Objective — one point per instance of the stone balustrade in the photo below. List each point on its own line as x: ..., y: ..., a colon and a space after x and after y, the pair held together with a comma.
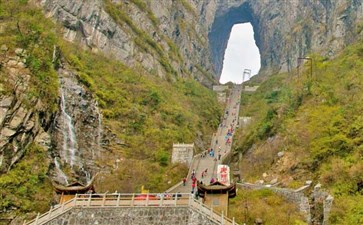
x: 179, y: 209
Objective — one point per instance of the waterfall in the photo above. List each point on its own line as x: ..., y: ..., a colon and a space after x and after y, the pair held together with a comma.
x: 59, y: 171
x: 87, y: 174
x: 79, y: 133
x: 99, y: 132
x: 69, y: 136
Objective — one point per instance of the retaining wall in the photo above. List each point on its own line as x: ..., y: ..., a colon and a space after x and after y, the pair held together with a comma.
x: 132, y: 215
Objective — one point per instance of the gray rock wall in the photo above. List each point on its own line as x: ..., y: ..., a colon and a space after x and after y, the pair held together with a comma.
x: 134, y: 216
x: 23, y: 120
x: 169, y: 24
x: 284, y: 30
x: 76, y: 132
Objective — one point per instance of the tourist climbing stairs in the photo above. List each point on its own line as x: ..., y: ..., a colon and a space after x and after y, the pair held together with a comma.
x: 221, y: 144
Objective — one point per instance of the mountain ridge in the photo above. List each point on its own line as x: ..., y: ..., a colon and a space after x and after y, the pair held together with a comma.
x: 151, y: 98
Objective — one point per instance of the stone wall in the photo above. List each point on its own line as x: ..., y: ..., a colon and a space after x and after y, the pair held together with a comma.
x: 244, y: 121
x: 220, y: 88
x: 322, y: 202
x: 221, y: 92
x: 217, y: 202
x: 133, y: 215
x: 183, y: 153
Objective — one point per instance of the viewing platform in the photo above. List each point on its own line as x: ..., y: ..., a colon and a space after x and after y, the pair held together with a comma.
x: 137, y: 208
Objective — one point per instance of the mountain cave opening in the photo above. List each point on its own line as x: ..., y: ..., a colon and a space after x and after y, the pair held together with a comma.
x: 241, y: 53
x: 235, y: 43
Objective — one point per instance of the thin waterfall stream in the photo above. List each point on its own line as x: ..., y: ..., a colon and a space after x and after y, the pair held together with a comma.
x: 69, y: 135
x: 59, y: 171
x: 79, y: 131
x: 99, y: 133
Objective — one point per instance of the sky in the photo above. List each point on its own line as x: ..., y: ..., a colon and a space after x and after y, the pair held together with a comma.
x: 241, y: 53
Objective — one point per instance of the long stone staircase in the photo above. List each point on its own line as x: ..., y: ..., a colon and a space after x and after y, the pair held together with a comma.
x: 178, y: 208
x: 218, y: 143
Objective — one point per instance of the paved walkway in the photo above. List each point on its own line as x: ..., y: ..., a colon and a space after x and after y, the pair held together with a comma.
x: 218, y: 144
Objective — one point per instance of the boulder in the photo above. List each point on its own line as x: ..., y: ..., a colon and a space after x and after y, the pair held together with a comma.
x: 6, y: 102
x: 18, y: 118
x: 7, y: 132
x: 273, y: 181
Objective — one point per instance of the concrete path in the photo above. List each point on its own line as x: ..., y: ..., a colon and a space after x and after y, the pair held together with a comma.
x: 218, y: 144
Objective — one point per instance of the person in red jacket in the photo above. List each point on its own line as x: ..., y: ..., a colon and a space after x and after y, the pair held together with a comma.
x: 193, y: 187
x: 194, y: 179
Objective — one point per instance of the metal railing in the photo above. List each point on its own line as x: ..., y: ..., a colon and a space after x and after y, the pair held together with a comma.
x: 131, y: 200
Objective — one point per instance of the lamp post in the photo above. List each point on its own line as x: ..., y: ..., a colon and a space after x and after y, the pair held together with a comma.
x: 311, y: 64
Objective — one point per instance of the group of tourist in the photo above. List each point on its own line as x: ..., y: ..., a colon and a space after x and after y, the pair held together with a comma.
x: 215, y: 151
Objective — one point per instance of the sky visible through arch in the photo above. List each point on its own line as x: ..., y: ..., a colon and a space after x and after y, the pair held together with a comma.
x: 241, y: 53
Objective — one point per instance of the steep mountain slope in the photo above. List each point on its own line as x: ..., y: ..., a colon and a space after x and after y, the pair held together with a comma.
x: 160, y: 36
x: 189, y: 38
x: 310, y: 128
x: 46, y: 82
x: 129, y: 85
x: 285, y: 30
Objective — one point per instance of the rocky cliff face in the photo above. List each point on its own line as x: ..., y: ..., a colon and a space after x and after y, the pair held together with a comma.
x: 174, y: 39
x: 77, y: 131
x: 286, y: 30
x: 170, y: 39
x: 198, y: 31
x: 161, y: 36
x: 23, y: 119
x: 74, y: 133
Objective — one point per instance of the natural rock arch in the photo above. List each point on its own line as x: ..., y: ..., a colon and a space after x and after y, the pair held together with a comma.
x: 221, y: 30
x: 284, y: 30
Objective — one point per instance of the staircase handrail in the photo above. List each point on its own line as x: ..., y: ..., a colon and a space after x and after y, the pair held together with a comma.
x: 126, y: 200
x: 213, y: 215
x: 112, y: 200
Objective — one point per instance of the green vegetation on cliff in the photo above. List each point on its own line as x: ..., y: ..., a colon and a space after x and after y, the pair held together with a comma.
x: 317, y: 122
x: 147, y: 113
x: 143, y: 114
x: 26, y: 187
x: 273, y: 209
x: 143, y: 40
x: 20, y: 27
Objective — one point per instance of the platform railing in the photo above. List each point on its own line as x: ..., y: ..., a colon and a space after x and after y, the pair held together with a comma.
x: 131, y: 200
